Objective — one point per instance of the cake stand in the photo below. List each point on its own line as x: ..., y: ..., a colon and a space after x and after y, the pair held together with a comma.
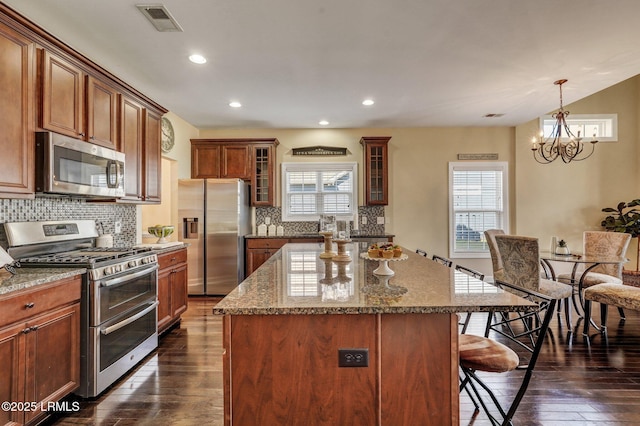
x: 383, y: 267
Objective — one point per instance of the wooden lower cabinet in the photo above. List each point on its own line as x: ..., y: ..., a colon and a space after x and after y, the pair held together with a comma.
x: 39, y: 348
x: 172, y: 288
x: 289, y: 366
x: 259, y: 250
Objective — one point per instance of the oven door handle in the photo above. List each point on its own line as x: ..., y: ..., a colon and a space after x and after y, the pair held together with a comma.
x: 115, y: 327
x: 115, y: 281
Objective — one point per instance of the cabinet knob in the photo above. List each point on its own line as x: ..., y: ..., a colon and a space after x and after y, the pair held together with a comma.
x: 34, y: 328
x: 26, y: 330
x: 29, y: 305
x: 81, y: 134
x: 92, y: 137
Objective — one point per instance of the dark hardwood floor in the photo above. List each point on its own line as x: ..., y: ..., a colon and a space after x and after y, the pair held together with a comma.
x: 575, y: 382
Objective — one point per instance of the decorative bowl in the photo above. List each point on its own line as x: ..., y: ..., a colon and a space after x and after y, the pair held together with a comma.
x: 161, y: 231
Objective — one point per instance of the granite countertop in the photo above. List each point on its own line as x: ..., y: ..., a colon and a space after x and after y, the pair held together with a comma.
x: 296, y: 280
x: 30, y: 277
x: 383, y: 237
x: 164, y: 248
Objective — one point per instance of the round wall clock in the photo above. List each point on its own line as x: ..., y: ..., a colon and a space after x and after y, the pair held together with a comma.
x: 168, y: 137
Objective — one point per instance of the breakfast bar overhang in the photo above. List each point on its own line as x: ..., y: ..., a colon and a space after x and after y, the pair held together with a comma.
x: 289, y: 327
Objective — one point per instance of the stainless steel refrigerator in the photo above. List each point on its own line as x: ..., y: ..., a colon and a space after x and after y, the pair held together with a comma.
x: 214, y: 217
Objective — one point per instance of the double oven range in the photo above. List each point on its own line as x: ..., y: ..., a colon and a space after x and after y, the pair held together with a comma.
x: 119, y: 294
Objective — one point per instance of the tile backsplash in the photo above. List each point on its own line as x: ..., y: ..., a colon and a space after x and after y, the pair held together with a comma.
x: 61, y: 208
x: 291, y: 228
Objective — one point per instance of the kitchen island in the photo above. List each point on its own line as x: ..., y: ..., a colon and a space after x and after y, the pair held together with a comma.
x: 285, y: 325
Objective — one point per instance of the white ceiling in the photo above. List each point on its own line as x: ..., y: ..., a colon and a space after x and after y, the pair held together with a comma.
x: 292, y: 63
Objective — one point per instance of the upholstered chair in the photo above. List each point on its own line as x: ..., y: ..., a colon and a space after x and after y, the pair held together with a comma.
x: 490, y: 236
x: 521, y: 267
x: 602, y: 244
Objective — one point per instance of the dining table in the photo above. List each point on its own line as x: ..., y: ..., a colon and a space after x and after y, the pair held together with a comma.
x: 588, y: 262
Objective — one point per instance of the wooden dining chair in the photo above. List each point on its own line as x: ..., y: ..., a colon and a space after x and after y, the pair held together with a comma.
x: 513, y: 342
x: 521, y: 267
x: 442, y: 260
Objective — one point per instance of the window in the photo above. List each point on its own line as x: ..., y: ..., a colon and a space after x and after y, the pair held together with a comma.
x: 477, y: 202
x: 602, y: 127
x: 312, y: 189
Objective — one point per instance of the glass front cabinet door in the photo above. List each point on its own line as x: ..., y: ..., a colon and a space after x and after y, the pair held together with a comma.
x: 376, y: 171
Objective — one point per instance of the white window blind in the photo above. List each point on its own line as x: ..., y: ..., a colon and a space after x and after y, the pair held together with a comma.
x: 312, y: 189
x: 478, y: 201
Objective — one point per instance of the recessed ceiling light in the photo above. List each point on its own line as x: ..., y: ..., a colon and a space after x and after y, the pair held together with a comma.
x: 235, y: 104
x: 368, y: 102
x: 493, y: 115
x: 197, y: 59
x: 323, y: 123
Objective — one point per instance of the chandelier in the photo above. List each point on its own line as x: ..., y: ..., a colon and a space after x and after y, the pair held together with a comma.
x: 572, y: 148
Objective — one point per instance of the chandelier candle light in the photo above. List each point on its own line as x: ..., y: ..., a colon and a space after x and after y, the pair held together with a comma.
x: 548, y: 150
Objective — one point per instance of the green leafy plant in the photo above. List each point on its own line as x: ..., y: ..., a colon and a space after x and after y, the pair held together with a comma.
x: 625, y: 218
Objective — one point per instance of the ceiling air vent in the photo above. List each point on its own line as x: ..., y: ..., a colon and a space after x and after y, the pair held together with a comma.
x: 160, y: 17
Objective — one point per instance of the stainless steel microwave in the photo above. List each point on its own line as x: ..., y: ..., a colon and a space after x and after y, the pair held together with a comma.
x: 73, y: 167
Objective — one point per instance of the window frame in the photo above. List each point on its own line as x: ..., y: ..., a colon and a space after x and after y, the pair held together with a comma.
x: 317, y: 167
x: 501, y: 166
x: 607, y: 123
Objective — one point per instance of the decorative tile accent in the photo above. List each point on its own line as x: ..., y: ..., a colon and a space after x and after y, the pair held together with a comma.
x: 292, y: 228
x: 61, y: 208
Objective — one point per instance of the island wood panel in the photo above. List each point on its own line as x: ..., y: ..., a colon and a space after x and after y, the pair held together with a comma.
x: 419, y: 369
x: 289, y: 366
x: 283, y: 369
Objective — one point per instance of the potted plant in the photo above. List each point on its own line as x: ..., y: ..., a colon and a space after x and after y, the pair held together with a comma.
x: 625, y: 218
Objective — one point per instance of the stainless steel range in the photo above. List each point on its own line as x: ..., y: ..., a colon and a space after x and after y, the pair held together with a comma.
x: 119, y: 295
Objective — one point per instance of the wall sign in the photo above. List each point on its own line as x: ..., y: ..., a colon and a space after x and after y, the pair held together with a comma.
x: 319, y: 150
x: 485, y: 157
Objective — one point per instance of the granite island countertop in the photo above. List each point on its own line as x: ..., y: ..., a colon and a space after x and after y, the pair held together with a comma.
x: 306, y: 235
x: 31, y: 277
x: 296, y: 280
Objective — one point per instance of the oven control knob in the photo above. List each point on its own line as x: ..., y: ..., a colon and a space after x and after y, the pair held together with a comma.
x: 118, y: 268
x: 107, y: 270
x: 132, y: 264
x: 145, y: 260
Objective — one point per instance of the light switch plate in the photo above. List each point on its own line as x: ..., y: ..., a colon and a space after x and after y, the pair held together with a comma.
x: 380, y: 220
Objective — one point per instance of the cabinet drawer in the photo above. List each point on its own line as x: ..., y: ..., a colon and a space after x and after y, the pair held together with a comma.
x: 268, y: 243
x: 172, y: 258
x: 27, y: 303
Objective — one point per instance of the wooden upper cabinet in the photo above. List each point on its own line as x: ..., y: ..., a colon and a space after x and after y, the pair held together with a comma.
x: 17, y: 77
x: 152, y: 157
x: 263, y: 176
x: 376, y: 174
x: 131, y: 131
x: 62, y: 96
x: 86, y: 111
x: 102, y: 113
x: 252, y: 160
x: 205, y: 160
x: 236, y: 162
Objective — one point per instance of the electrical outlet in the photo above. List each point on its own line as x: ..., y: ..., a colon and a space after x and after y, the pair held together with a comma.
x: 267, y: 220
x: 358, y: 357
x: 363, y: 219
x: 117, y: 227
x: 380, y: 220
